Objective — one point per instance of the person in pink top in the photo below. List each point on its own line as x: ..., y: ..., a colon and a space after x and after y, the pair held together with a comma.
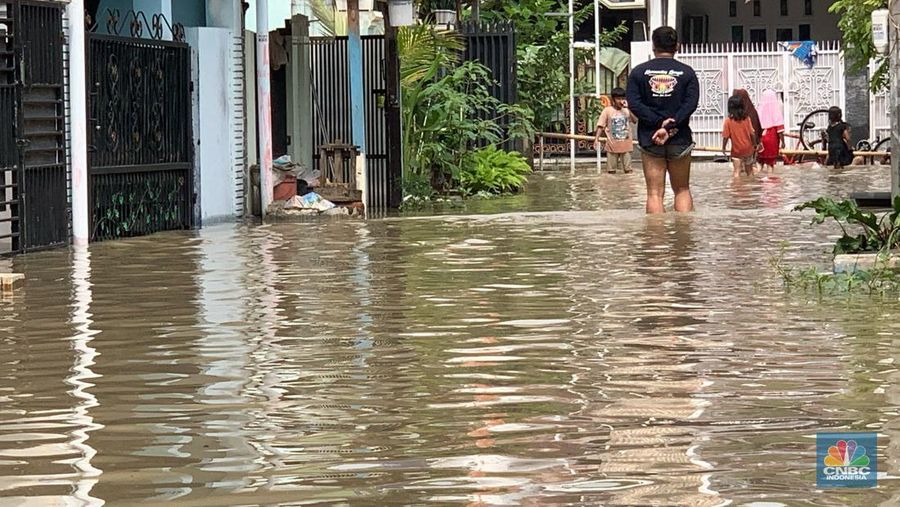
x: 771, y: 119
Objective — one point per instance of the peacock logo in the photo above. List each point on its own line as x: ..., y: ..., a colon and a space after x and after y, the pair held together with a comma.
x: 846, y: 460
x: 846, y: 453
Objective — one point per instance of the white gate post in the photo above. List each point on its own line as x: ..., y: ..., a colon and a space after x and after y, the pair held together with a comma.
x: 895, y: 101
x: 79, y: 123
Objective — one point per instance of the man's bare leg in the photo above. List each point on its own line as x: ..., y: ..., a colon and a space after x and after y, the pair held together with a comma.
x: 655, y: 176
x: 680, y: 178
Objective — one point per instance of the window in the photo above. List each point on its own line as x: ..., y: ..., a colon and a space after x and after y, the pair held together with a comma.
x: 732, y: 8
x: 784, y: 34
x: 804, y: 33
x: 784, y: 7
x: 737, y: 34
x: 807, y: 7
x: 694, y: 29
x: 757, y: 35
x: 757, y: 8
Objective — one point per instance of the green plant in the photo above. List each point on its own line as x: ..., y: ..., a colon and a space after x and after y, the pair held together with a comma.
x: 859, y: 48
x: 879, y: 280
x: 543, y: 51
x: 447, y: 109
x: 492, y: 171
x: 878, y: 234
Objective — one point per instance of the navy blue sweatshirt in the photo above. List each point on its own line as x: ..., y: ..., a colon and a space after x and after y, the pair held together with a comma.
x: 660, y: 89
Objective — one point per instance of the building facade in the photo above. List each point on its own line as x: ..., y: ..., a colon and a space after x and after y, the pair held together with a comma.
x: 757, y: 21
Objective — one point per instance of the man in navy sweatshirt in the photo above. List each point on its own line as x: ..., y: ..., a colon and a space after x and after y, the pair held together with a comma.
x: 663, y: 93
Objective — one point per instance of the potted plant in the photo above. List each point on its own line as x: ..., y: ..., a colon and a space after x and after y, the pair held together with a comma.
x: 444, y: 12
x: 401, y: 12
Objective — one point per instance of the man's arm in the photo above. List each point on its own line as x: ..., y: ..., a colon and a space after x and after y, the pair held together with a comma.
x: 635, y: 103
x: 690, y: 102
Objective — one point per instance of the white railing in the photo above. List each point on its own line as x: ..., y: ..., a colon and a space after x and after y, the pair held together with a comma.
x: 756, y: 68
x: 879, y: 112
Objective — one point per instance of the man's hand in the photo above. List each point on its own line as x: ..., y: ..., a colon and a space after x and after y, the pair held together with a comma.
x: 668, y: 122
x: 661, y: 136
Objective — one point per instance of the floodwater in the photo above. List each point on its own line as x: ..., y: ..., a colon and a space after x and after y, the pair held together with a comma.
x: 564, y: 350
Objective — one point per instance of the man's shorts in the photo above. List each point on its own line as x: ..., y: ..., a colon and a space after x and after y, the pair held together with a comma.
x: 668, y: 151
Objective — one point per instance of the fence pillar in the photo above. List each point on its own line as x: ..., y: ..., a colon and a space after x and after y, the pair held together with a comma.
x: 857, y: 101
x: 264, y: 104
x: 394, y: 130
x: 79, y: 122
x: 357, y: 94
x: 300, y: 113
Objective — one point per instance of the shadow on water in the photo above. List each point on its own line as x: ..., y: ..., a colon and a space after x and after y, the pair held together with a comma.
x: 555, y: 348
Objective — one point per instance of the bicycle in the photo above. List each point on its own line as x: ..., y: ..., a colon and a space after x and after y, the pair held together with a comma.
x: 811, y: 137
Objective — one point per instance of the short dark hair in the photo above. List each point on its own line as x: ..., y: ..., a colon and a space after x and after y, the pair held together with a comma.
x: 618, y: 93
x: 736, y: 109
x: 665, y: 39
x: 835, y: 114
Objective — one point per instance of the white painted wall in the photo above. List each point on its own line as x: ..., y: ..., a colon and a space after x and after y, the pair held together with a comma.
x: 213, y: 118
x: 823, y: 25
x: 224, y: 14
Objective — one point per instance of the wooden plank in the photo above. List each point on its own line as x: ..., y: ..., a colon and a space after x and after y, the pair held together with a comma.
x: 715, y: 149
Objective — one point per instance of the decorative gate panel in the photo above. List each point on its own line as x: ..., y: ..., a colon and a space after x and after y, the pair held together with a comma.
x: 141, y: 162
x: 757, y: 67
x: 34, y: 201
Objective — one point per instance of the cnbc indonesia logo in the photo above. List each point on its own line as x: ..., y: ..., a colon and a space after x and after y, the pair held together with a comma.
x: 846, y: 460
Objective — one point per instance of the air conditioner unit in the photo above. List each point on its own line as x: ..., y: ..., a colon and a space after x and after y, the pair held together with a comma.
x: 624, y: 4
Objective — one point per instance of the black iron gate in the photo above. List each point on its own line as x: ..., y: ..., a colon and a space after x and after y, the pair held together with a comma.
x: 141, y: 159
x: 331, y: 110
x: 494, y: 46
x: 34, y: 197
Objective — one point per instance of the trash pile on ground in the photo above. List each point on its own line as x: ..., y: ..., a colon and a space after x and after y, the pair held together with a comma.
x: 291, y: 178
x: 311, y: 204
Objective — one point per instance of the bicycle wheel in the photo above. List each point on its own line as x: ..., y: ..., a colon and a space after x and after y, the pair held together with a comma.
x: 812, y: 128
x: 885, y: 146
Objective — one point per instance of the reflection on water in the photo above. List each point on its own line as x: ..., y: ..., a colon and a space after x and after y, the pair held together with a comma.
x: 564, y: 350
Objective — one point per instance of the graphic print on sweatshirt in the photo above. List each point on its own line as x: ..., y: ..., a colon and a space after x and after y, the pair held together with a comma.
x: 663, y: 82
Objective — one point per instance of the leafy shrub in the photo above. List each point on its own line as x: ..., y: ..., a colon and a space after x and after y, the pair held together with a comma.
x: 878, y: 234
x: 492, y: 171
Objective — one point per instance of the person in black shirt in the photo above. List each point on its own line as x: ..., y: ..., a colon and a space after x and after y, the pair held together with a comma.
x: 837, y: 138
x: 663, y: 93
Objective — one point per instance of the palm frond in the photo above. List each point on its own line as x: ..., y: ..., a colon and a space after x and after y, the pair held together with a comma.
x: 424, y: 51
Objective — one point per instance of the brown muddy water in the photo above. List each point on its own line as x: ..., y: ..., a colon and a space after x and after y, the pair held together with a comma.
x: 565, y: 350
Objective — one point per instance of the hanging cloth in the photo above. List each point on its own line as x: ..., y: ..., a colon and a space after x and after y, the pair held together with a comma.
x: 806, y: 51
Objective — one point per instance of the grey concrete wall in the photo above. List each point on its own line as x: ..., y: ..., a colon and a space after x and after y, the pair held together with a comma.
x: 857, y: 103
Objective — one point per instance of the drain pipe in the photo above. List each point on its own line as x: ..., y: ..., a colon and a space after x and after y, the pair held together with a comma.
x: 264, y: 104
x: 78, y: 121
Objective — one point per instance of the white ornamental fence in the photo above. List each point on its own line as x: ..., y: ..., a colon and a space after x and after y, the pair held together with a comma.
x: 756, y: 68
